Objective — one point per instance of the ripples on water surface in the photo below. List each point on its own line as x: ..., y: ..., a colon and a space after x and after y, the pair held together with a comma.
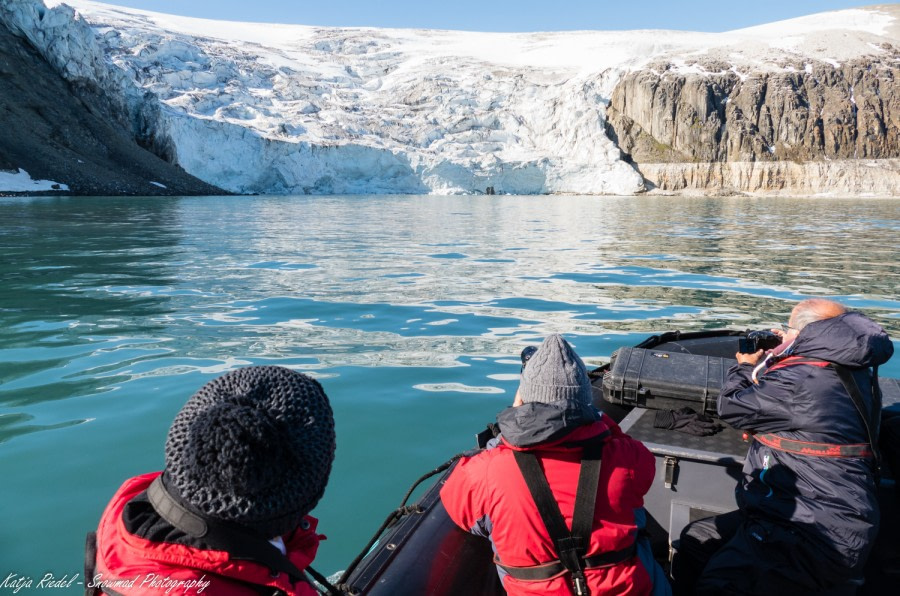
x: 411, y: 311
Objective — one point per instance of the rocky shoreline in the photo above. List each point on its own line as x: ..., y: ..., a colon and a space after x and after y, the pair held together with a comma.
x: 862, y: 178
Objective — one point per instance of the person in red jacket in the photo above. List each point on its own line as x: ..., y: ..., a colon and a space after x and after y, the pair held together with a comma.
x: 561, y: 495
x: 247, y: 459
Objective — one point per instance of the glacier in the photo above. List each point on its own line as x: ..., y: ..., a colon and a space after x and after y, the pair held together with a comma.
x: 283, y: 109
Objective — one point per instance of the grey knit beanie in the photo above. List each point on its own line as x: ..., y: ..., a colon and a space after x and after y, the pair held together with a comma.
x: 555, y: 373
x: 254, y: 447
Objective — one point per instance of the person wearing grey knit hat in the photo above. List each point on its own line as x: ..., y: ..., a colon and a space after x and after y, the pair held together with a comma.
x: 547, y: 460
x: 247, y: 458
x: 555, y: 373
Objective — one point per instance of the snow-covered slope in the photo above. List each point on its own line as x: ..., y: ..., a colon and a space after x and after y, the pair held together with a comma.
x: 276, y: 109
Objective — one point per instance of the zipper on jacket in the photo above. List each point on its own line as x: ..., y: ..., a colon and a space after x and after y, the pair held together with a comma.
x: 762, y: 475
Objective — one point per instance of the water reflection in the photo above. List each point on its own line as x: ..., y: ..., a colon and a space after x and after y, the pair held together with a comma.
x: 64, y: 259
x: 77, y: 277
x: 412, y: 309
x: 336, y: 277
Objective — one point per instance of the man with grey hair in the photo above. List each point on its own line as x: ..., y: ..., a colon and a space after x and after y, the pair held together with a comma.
x: 814, y: 309
x: 808, y: 513
x: 558, y: 520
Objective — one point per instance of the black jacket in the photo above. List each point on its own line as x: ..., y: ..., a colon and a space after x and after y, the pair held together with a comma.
x: 831, y: 501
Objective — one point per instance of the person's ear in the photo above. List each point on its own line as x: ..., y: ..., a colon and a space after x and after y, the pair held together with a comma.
x: 518, y: 400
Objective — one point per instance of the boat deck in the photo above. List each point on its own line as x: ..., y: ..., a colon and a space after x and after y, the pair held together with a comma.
x: 726, y: 445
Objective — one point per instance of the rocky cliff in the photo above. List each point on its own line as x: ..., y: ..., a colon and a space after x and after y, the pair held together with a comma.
x: 848, y: 112
x: 704, y: 125
x: 836, y: 178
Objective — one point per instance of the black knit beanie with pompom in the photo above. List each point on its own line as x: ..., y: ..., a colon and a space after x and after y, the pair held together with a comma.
x: 254, y: 447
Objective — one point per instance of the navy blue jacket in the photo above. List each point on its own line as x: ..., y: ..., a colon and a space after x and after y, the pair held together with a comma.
x: 831, y: 501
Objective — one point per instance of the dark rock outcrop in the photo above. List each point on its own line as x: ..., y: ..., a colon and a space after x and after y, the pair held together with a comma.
x: 67, y: 133
x: 805, y: 113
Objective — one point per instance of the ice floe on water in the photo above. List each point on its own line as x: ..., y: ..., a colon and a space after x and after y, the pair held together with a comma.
x: 456, y: 387
x: 504, y: 377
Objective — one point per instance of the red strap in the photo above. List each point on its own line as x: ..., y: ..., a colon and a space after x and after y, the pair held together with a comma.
x: 794, y: 360
x: 814, y: 449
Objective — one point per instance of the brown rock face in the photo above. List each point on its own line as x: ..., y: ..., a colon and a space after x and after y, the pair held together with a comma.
x: 840, y: 177
x: 806, y: 113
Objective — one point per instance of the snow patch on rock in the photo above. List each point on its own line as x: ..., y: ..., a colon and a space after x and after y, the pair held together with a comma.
x: 20, y: 181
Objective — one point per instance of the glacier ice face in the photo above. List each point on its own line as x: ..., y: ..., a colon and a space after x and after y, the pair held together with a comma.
x: 256, y: 108
x: 346, y: 111
x: 289, y: 109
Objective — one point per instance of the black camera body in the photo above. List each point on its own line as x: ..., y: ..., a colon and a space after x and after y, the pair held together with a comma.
x: 526, y: 355
x: 759, y: 340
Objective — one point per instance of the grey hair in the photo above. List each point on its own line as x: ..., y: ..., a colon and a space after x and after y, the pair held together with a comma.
x: 815, y: 309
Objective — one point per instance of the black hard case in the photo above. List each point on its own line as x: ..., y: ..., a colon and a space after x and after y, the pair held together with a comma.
x: 661, y: 380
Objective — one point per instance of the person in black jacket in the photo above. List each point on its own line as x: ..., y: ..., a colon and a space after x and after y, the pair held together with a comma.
x: 808, y: 513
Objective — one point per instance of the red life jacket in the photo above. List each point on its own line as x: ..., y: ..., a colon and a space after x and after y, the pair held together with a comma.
x: 130, y: 565
x: 490, y: 485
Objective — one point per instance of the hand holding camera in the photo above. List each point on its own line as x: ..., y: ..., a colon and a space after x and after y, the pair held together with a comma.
x: 759, y: 340
x: 752, y: 348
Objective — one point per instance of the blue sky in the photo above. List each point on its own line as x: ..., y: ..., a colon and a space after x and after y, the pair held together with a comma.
x: 506, y: 15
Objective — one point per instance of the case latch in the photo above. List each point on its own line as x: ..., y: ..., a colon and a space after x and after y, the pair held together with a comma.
x: 671, y: 471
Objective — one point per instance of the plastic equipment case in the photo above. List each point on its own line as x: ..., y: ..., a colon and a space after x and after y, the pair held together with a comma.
x: 665, y: 380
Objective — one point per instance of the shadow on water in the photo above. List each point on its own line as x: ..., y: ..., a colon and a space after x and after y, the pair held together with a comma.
x: 78, y: 276
x: 14, y: 425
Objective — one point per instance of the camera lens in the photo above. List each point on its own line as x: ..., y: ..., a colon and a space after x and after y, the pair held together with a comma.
x: 762, y: 340
x: 526, y: 355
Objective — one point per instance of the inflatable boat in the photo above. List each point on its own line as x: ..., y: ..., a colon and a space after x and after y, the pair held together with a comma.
x: 419, y: 550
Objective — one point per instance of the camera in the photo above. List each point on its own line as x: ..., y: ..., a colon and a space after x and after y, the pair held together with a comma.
x: 526, y: 355
x: 758, y: 340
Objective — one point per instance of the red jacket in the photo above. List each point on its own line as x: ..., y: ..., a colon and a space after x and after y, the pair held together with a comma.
x: 486, y: 493
x: 130, y: 565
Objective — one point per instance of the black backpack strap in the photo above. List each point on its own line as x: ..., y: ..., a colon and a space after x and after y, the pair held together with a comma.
x: 90, y: 568
x: 877, y: 403
x: 586, y: 495
x: 90, y: 563
x: 239, y: 542
x: 871, y: 418
x: 571, y: 546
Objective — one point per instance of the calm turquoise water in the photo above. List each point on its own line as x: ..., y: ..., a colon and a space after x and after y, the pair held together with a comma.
x: 410, y: 310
